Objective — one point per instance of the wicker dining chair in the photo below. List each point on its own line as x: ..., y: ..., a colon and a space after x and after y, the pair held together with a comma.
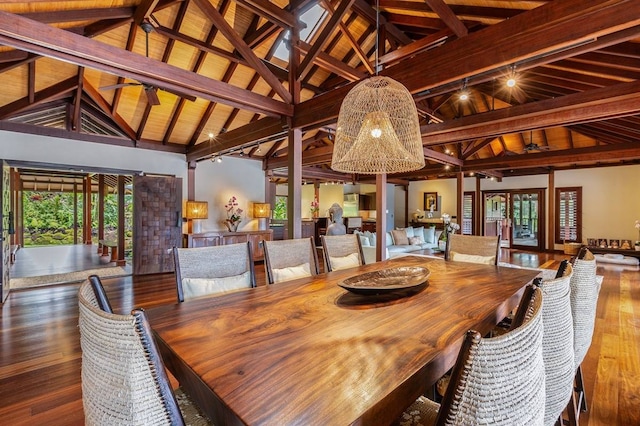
x: 123, y: 377
x: 585, y: 288
x: 498, y: 380
x: 557, y: 343
x: 286, y: 260
x: 204, y: 271
x: 341, y: 251
x: 473, y: 248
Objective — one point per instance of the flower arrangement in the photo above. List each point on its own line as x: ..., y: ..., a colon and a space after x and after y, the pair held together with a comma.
x: 315, y: 207
x: 234, y: 214
x: 638, y: 228
x: 449, y: 227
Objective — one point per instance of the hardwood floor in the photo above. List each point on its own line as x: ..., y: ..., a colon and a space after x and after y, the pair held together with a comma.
x: 40, y: 357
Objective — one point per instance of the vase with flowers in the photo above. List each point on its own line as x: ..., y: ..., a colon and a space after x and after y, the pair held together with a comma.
x: 315, y: 208
x: 449, y: 228
x: 637, y: 244
x: 234, y: 214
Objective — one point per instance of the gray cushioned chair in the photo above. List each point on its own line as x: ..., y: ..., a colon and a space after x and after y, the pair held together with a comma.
x: 123, y: 377
x: 497, y: 381
x: 473, y: 248
x: 204, y: 271
x: 286, y: 260
x: 341, y: 251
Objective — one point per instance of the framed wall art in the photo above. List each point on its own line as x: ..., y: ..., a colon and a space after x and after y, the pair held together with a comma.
x: 431, y: 201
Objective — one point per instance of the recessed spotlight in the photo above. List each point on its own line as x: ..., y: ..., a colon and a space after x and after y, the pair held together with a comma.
x: 511, y: 82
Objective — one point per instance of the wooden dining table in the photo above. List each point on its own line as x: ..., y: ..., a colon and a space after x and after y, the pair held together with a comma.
x: 308, y: 352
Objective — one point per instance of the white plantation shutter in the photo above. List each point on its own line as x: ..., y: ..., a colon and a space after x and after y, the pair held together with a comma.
x: 568, y: 215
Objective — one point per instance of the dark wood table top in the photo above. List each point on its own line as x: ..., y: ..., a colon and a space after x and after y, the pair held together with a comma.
x: 308, y: 352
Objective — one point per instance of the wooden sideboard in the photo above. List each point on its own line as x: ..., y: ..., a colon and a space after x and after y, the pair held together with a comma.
x: 218, y: 238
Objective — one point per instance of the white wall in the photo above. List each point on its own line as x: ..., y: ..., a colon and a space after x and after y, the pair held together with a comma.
x: 45, y: 149
x: 610, y: 196
x: 217, y: 182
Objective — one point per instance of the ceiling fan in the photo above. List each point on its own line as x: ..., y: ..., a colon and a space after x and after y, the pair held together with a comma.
x: 528, y: 147
x: 149, y: 90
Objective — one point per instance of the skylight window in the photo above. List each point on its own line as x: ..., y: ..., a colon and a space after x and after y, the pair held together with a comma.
x: 311, y: 18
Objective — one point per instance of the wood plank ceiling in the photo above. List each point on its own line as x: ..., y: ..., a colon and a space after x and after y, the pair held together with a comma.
x: 223, y: 86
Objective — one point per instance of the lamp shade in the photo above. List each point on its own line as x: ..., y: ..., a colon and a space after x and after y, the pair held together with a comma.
x: 197, y: 210
x: 378, y: 130
x: 261, y: 210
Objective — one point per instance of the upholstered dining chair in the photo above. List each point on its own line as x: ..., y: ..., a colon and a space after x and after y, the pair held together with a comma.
x: 585, y: 288
x: 473, y: 248
x: 341, y: 251
x: 286, y: 260
x: 498, y: 380
x: 123, y: 377
x: 557, y: 343
x: 203, y: 271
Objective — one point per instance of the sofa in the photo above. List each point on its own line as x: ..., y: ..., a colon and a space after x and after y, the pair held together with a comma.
x: 399, y: 241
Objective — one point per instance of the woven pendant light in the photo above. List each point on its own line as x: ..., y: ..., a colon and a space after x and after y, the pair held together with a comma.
x: 378, y: 130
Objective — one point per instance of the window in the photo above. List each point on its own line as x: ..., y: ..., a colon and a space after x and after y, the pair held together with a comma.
x: 311, y: 20
x: 568, y: 215
x: 280, y: 209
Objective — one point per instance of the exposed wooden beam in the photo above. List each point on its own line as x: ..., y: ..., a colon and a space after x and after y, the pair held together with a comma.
x: 448, y: 17
x: 269, y: 11
x: 365, y: 10
x: 596, y: 104
x: 350, y: 39
x: 333, y: 65
x: 323, y: 37
x: 263, y: 129
x: 415, y: 47
x: 143, y: 11
x: 240, y: 45
x: 40, y: 97
x: 592, y: 155
x: 35, y: 37
x: 534, y: 33
x: 95, y: 95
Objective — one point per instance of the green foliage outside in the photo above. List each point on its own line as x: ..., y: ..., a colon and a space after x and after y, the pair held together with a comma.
x: 280, y: 209
x: 48, y: 218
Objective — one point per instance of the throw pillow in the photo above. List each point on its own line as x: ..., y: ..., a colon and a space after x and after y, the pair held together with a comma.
x: 345, y: 262
x: 415, y: 241
x: 400, y: 237
x: 472, y: 258
x: 430, y: 235
x: 364, y: 241
x: 419, y: 232
x: 389, y: 239
x: 196, y: 287
x: 409, y: 230
x: 291, y: 273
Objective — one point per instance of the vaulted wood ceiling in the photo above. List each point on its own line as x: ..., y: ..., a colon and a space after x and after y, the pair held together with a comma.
x: 214, y: 69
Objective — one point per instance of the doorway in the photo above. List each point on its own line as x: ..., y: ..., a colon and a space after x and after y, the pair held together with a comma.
x: 527, y: 212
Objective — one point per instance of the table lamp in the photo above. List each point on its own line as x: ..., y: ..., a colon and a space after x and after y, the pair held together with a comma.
x: 197, y: 210
x: 262, y: 211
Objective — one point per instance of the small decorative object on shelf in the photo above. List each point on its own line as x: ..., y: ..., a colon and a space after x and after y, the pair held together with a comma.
x: 234, y: 214
x: 315, y: 207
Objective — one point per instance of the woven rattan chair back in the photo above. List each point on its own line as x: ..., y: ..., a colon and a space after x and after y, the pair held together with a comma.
x: 339, y: 247
x: 123, y: 377
x: 499, y: 380
x: 208, y: 263
x: 282, y: 254
x: 473, y: 248
x: 557, y: 344
x: 585, y: 287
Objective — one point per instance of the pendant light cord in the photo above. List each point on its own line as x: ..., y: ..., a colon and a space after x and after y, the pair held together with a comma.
x: 377, y: 33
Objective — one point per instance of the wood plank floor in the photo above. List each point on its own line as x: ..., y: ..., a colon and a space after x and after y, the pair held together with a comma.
x: 40, y: 357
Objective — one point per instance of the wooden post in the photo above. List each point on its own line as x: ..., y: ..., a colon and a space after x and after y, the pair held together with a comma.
x: 101, y: 196
x: 551, y: 239
x: 381, y: 217
x: 121, y: 222
x: 86, y: 234
x: 479, y: 210
x: 294, y: 200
